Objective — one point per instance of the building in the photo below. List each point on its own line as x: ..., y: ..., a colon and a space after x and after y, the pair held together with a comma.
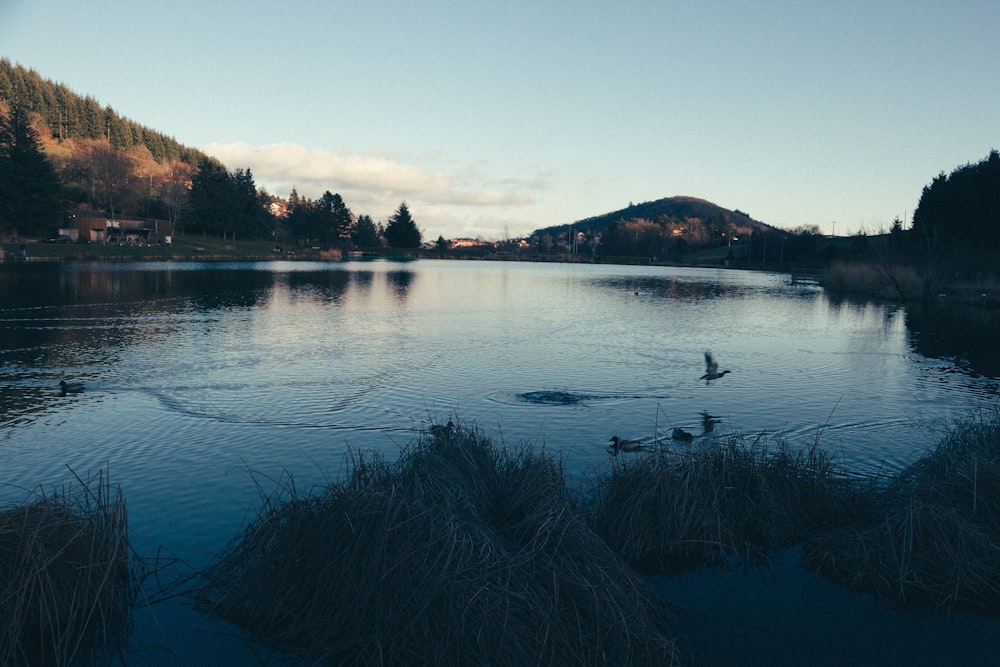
x: 117, y: 232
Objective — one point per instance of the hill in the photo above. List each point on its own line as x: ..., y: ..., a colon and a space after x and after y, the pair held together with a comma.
x: 679, y: 209
x: 70, y: 118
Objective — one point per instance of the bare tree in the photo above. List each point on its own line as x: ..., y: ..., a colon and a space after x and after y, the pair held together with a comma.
x: 110, y: 173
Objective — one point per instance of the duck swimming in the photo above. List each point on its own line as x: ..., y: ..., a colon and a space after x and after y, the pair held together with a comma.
x: 70, y: 387
x: 627, y: 446
x: 681, y: 434
x: 711, y: 369
x: 442, y: 431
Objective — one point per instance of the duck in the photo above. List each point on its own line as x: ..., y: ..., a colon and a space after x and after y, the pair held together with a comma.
x: 711, y: 369
x: 70, y: 387
x: 627, y: 446
x: 681, y: 434
x: 442, y: 431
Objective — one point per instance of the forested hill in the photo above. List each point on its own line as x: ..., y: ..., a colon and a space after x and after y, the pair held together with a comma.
x: 678, y: 209
x: 70, y: 116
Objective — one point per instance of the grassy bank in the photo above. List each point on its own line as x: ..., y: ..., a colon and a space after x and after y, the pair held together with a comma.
x: 182, y: 247
x: 465, y: 551
x: 679, y: 509
x: 462, y: 551
x: 936, y: 540
x: 67, y: 577
x: 907, y: 282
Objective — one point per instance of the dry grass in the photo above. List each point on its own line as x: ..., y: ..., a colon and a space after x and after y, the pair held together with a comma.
x: 66, y: 576
x: 937, y: 542
x: 692, y: 508
x: 459, y: 553
x: 887, y: 281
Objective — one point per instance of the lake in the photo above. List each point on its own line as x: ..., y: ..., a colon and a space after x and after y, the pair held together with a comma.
x: 206, y: 382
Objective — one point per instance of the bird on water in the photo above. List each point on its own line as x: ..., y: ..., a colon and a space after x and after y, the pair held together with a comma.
x: 70, y: 387
x: 619, y: 445
x: 442, y: 431
x: 711, y: 369
x: 681, y: 434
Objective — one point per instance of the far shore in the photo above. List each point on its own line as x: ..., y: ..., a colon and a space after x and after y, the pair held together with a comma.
x: 867, y: 278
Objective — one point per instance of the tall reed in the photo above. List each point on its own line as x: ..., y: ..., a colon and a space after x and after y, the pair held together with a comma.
x: 461, y: 552
x: 937, y: 540
x: 686, y: 508
x: 68, y: 578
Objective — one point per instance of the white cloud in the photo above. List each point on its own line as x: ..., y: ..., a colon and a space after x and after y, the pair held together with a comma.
x: 373, y: 180
x: 465, y: 200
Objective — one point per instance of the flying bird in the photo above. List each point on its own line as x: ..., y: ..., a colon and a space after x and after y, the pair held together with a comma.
x: 711, y: 369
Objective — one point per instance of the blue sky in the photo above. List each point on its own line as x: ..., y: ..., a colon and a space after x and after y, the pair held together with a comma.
x: 493, y: 119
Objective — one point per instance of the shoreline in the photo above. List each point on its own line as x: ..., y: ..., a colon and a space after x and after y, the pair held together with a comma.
x: 206, y: 249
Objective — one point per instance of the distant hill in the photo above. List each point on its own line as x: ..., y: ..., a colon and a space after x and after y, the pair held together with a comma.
x: 678, y: 208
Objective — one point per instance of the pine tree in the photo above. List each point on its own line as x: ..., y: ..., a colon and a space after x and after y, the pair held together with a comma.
x: 30, y: 195
x: 365, y: 234
x: 402, y: 232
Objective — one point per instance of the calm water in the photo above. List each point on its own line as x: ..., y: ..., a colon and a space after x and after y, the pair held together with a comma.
x: 207, y: 380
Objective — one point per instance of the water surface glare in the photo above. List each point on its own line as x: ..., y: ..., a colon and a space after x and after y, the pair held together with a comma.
x: 205, y: 380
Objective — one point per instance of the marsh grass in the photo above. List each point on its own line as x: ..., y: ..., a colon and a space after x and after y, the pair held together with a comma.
x: 887, y: 281
x: 737, y: 499
x: 461, y: 552
x: 937, y: 541
x: 67, y: 577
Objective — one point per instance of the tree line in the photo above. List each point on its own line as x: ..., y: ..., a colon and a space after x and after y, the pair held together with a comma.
x: 70, y: 116
x: 47, y: 174
x: 960, y: 213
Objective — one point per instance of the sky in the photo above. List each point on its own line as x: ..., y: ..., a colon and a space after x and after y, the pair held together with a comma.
x: 493, y: 119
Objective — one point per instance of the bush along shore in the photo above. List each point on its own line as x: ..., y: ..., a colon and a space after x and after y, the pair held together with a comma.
x: 464, y: 551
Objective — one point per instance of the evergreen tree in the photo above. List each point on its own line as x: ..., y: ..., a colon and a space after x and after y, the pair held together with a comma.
x: 250, y: 217
x: 402, y: 232
x: 212, y: 198
x: 365, y: 233
x: 301, y: 220
x: 30, y: 194
x: 343, y: 220
x: 324, y: 226
x: 961, y: 210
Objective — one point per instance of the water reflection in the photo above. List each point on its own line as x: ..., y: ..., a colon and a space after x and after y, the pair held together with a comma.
x: 326, y: 286
x: 962, y: 333
x: 36, y: 286
x: 401, y: 282
x: 701, y: 284
x: 197, y: 373
x: 629, y: 339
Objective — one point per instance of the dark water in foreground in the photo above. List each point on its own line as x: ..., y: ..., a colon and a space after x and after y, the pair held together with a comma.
x: 207, y: 380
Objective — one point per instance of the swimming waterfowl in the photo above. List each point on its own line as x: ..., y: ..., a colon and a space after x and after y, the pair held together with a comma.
x: 442, y: 431
x: 711, y: 369
x: 70, y: 387
x: 627, y: 446
x: 681, y: 434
